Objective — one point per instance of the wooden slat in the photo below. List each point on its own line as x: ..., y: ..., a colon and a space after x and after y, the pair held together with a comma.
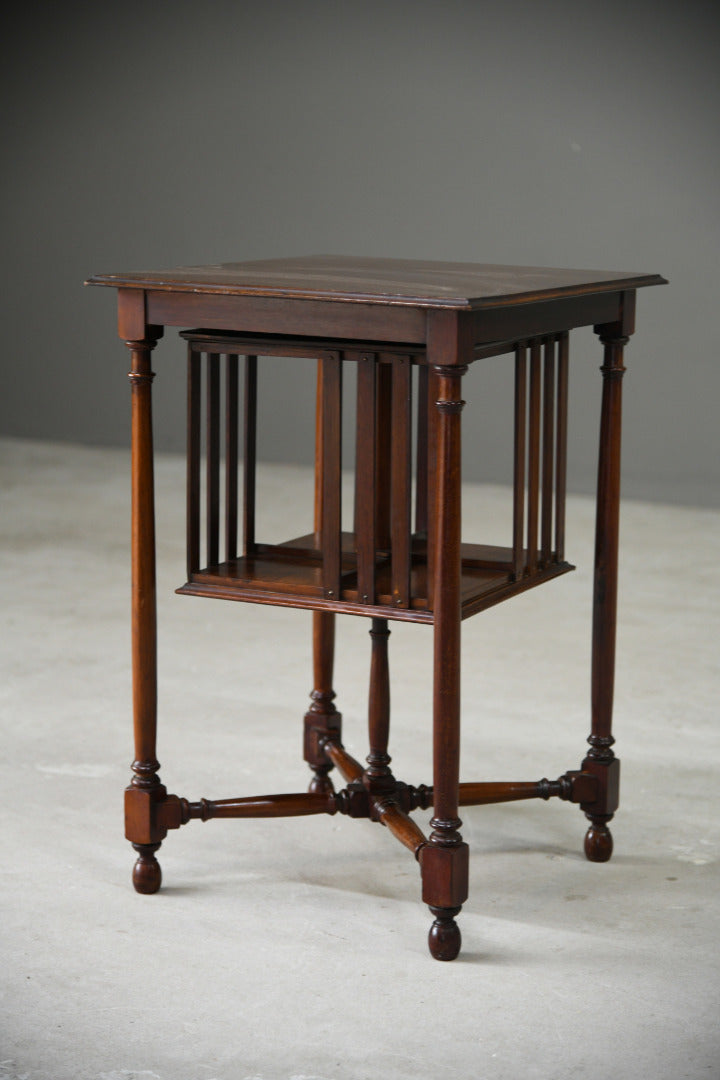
x: 401, y: 479
x: 548, y: 450
x: 212, y: 434
x: 365, y: 473
x: 249, y: 453
x: 231, y: 455
x: 534, y: 457
x: 194, y: 390
x: 421, y: 460
x: 331, y: 475
x: 383, y: 455
x: 518, y: 555
x: 561, y: 451
x: 432, y: 396
x: 317, y: 514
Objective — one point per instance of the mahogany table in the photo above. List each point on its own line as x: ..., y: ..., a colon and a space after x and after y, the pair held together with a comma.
x: 406, y: 331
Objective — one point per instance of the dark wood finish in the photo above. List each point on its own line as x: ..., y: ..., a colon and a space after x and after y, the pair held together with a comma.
x: 259, y: 806
x: 561, y: 446
x: 212, y: 459
x: 519, y: 449
x: 444, y: 859
x: 548, y: 450
x: 534, y: 457
x: 381, y: 281
x: 402, y: 826
x: 421, y: 485
x: 601, y: 758
x: 322, y: 720
x: 193, y: 460
x: 377, y: 776
x: 382, y: 316
x: 401, y: 480
x: 432, y: 422
x: 231, y: 456
x: 383, y: 455
x: 249, y: 454
x: 350, y: 769
x: 366, y: 477
x: 145, y: 787
x: 331, y: 476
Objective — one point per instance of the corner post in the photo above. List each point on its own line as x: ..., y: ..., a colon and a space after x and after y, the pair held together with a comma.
x: 145, y: 789
x: 600, y: 760
x: 444, y: 859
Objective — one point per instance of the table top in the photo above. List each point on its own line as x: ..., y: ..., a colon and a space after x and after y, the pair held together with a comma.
x: 361, y: 279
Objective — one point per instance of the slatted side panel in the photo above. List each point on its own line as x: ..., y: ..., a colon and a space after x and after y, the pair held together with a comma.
x: 212, y: 460
x: 231, y: 457
x: 366, y: 467
x: 540, y: 453
x: 401, y: 480
x: 533, y: 457
x: 194, y: 440
x: 249, y: 454
x: 519, y: 460
x: 213, y: 432
x: 331, y: 368
x: 561, y: 444
x: 548, y: 451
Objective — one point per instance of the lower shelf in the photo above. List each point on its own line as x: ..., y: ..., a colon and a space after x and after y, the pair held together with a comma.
x: 290, y: 575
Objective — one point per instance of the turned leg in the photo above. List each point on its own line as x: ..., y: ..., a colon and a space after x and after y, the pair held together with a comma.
x: 444, y: 859
x: 322, y: 720
x: 378, y: 778
x: 601, y: 761
x: 145, y: 788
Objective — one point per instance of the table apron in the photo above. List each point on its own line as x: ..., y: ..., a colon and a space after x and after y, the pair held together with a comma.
x: 261, y: 314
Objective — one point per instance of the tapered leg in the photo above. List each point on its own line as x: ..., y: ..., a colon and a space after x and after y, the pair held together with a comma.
x: 601, y: 761
x: 145, y: 787
x: 444, y: 860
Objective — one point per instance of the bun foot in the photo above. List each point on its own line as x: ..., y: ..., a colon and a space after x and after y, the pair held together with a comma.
x: 146, y: 875
x: 598, y: 842
x: 444, y: 939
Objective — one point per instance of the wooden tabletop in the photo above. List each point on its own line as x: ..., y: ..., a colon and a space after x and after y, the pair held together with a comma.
x: 382, y: 281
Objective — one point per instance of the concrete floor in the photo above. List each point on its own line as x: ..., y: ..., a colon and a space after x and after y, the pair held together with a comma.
x: 295, y: 950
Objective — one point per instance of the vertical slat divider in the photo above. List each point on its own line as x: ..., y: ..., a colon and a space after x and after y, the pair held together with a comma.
x: 212, y: 486
x: 365, y: 472
x: 193, y: 460
x: 383, y: 390
x: 231, y: 456
x: 561, y: 451
x: 317, y: 514
x: 401, y: 479
x: 332, y: 471
x: 249, y: 454
x: 548, y: 450
x: 519, y: 460
x: 432, y: 413
x: 421, y: 453
x: 534, y: 456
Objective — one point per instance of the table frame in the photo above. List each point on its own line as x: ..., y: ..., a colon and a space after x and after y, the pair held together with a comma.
x: 449, y: 339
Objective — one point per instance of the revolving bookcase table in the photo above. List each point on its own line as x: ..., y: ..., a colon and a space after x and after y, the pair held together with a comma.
x: 407, y: 332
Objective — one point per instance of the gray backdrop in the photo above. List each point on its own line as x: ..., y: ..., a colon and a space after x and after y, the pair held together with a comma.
x: 581, y: 134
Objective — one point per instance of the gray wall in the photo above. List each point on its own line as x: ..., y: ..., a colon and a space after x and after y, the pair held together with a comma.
x: 143, y: 135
